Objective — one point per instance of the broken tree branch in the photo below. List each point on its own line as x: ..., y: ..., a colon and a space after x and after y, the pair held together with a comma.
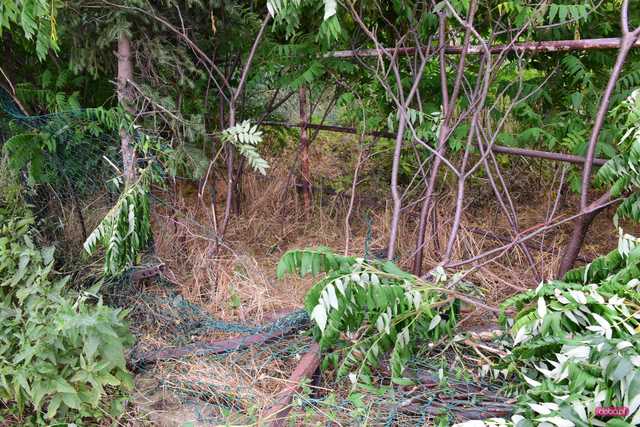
x: 276, y: 414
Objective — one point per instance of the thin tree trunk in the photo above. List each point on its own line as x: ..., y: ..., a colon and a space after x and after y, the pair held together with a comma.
x: 395, y: 194
x: 125, y: 75
x: 230, y: 176
x: 448, y: 106
x: 580, y: 228
x: 232, y: 188
x: 582, y: 224
x: 305, y: 170
x: 354, y: 184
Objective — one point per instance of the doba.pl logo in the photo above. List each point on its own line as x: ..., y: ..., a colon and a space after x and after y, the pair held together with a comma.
x: 612, y: 411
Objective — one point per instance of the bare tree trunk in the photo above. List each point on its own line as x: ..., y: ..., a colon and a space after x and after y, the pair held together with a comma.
x: 582, y: 223
x: 233, y: 101
x: 580, y: 228
x: 125, y: 75
x: 354, y: 184
x: 395, y: 194
x: 448, y: 106
x: 304, y: 149
x: 230, y: 176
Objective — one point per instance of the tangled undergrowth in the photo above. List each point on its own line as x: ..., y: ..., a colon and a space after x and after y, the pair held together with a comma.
x: 238, y: 287
x: 205, y: 293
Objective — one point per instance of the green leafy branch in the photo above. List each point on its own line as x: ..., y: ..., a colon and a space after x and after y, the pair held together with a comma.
x: 246, y: 139
x: 36, y: 18
x: 576, y: 345
x: 126, y: 229
x: 364, y: 309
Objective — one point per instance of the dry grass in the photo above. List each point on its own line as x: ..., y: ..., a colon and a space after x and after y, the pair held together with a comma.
x: 238, y: 282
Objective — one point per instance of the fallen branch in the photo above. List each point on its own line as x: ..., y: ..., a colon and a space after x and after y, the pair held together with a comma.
x: 512, y: 151
x: 208, y: 347
x: 276, y: 415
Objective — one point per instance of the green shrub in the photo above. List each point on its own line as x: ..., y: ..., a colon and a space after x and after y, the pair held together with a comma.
x: 61, y: 353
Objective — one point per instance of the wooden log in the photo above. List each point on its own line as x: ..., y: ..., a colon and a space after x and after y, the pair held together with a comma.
x: 276, y: 415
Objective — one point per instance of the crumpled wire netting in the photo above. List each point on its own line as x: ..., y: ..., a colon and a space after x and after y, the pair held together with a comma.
x: 234, y: 387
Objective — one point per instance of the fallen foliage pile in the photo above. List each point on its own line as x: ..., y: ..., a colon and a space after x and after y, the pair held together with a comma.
x: 575, y: 345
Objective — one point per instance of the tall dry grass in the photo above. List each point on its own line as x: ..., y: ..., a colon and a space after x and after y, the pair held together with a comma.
x: 238, y: 282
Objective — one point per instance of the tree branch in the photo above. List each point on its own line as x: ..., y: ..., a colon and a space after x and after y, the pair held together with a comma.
x: 547, y: 46
x: 512, y: 151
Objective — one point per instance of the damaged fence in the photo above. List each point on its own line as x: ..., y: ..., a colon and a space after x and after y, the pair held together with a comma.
x: 235, y: 373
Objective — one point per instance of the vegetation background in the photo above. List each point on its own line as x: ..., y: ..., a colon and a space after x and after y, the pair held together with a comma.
x: 446, y: 165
